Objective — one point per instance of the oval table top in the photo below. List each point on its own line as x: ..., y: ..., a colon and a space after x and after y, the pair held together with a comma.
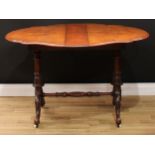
x: 76, y: 35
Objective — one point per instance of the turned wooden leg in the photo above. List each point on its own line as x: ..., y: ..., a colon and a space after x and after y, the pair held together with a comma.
x: 42, y: 98
x: 117, y: 82
x: 39, y: 98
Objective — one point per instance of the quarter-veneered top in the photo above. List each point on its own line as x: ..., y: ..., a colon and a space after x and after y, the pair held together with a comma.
x: 76, y: 35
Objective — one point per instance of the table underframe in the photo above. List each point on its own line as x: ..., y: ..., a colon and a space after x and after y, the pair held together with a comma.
x: 40, y: 95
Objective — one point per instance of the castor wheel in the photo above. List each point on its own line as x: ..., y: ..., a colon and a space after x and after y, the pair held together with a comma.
x: 118, y: 123
x: 36, y: 125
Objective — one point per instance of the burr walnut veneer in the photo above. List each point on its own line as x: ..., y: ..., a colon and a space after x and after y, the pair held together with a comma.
x: 41, y: 38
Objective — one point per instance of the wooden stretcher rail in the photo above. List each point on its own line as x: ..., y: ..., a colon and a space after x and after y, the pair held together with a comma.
x: 110, y: 38
x: 77, y: 94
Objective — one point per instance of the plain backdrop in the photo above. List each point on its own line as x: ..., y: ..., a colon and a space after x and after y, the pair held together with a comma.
x: 77, y: 66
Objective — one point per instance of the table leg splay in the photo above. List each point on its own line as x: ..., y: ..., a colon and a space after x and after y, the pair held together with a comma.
x: 39, y: 94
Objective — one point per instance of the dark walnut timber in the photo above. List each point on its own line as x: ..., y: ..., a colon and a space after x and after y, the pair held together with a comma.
x: 43, y: 38
x: 117, y: 82
x: 39, y: 96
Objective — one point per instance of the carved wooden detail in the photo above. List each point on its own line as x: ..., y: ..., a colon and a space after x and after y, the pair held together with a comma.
x: 77, y: 94
x: 41, y: 38
x: 117, y: 82
x: 39, y: 96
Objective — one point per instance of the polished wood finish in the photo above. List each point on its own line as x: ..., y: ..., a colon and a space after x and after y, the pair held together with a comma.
x: 76, y: 35
x: 77, y: 94
x: 117, y: 82
x: 79, y: 116
x: 39, y: 94
x: 39, y: 98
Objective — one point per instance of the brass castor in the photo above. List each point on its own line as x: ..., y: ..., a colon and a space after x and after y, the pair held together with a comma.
x: 118, y: 123
x: 36, y: 124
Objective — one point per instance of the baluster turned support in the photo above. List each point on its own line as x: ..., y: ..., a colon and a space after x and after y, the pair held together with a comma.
x: 39, y: 96
x: 117, y: 82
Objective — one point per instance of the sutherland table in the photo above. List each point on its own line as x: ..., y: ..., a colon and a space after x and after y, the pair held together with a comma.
x: 78, y: 36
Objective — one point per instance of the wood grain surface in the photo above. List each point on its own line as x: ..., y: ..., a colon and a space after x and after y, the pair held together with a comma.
x: 76, y: 35
x: 86, y: 115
